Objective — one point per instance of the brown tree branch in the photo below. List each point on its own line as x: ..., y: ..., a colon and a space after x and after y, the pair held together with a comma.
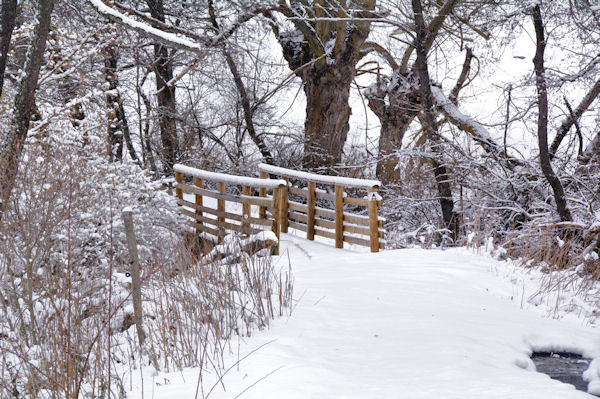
x: 585, y: 103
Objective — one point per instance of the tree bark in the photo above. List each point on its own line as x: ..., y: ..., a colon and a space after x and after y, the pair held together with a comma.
x: 12, y: 146
x: 9, y: 15
x: 451, y: 220
x: 327, y: 116
x: 540, y: 82
x: 167, y: 107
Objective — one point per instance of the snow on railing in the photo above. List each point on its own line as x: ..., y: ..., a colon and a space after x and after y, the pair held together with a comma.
x: 322, y: 179
x: 338, y: 224
x: 216, y: 221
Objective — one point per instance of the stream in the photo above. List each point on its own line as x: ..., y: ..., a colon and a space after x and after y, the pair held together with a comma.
x: 564, y: 367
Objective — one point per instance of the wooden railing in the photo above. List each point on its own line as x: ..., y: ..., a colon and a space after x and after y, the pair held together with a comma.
x: 221, y: 218
x: 337, y: 224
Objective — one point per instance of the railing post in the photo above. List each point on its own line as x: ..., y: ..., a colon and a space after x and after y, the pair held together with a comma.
x: 373, y: 220
x: 178, y: 190
x: 198, y: 183
x: 339, y: 216
x: 262, y: 192
x: 284, y: 206
x: 246, y: 207
x: 276, y: 216
x: 221, y: 204
x: 311, y: 204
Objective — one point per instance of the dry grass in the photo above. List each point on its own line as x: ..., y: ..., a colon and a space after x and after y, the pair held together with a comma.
x: 65, y: 297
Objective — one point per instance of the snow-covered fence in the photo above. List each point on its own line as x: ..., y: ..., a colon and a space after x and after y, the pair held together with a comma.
x: 217, y: 221
x: 336, y: 224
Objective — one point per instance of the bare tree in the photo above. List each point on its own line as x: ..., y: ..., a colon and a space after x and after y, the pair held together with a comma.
x: 442, y: 177
x: 12, y: 145
x: 241, y: 88
x: 542, y: 97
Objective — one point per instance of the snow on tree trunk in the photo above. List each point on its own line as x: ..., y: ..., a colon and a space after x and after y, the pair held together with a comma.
x: 396, y: 106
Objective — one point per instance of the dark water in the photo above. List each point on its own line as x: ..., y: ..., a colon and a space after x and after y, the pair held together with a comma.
x: 565, y: 367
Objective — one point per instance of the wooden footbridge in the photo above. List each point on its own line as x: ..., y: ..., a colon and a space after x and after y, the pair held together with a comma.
x: 339, y: 208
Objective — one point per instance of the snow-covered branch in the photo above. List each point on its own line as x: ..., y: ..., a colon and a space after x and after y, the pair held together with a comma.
x: 477, y: 131
x: 166, y: 38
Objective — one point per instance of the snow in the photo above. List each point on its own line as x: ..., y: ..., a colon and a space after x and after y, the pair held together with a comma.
x: 323, y: 179
x: 407, y: 323
x: 227, y: 178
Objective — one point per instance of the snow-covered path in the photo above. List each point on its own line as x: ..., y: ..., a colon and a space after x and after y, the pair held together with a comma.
x: 397, y: 324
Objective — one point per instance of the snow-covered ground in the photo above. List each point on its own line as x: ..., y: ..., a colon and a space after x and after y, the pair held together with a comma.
x: 405, y: 323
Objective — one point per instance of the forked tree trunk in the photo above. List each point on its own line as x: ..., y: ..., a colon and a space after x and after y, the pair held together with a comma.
x: 442, y: 178
x: 12, y: 146
x: 324, y: 52
x: 396, y: 109
x: 542, y: 94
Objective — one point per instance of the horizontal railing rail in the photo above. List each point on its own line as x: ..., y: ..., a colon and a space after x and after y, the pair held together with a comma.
x: 338, y: 224
x: 216, y: 221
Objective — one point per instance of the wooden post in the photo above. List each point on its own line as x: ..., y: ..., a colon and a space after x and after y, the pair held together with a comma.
x: 136, y: 294
x: 198, y: 183
x: 339, y: 216
x: 285, y: 197
x: 373, y: 221
x: 262, y: 192
x: 179, y: 180
x: 221, y: 207
x: 246, y: 207
x: 311, y: 204
x: 276, y: 216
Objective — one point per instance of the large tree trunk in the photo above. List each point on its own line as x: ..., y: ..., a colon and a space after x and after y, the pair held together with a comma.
x: 324, y: 52
x: 12, y: 146
x: 9, y: 15
x: 327, y: 114
x: 442, y: 177
x: 167, y: 109
x: 540, y: 83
